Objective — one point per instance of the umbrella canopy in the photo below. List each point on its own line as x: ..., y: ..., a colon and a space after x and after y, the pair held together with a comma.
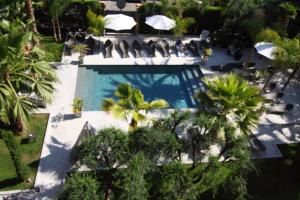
x: 266, y: 49
x: 119, y: 22
x: 160, y: 22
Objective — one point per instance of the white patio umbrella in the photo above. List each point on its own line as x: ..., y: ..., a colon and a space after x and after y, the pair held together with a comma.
x: 119, y: 22
x: 266, y: 49
x: 160, y: 22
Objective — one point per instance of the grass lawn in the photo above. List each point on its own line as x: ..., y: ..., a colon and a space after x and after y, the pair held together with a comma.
x: 278, y: 179
x: 53, y: 49
x: 30, y: 155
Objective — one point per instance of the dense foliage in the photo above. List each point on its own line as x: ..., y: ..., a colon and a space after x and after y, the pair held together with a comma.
x: 147, y: 162
x: 15, y: 154
x: 234, y: 99
x: 81, y: 187
x: 23, y: 70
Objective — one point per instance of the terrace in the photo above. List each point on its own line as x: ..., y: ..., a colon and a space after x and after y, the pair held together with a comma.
x: 173, y: 78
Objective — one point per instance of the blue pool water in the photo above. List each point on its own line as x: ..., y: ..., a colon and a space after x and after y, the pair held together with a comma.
x: 175, y: 84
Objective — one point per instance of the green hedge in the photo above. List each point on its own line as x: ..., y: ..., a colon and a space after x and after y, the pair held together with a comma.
x: 210, y: 19
x: 15, y: 155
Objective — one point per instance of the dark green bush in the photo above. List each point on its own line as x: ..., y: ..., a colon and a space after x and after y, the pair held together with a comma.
x: 212, y: 18
x: 81, y: 187
x: 95, y: 6
x: 15, y: 155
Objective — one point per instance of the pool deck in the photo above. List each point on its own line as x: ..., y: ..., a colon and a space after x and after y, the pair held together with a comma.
x: 62, y: 132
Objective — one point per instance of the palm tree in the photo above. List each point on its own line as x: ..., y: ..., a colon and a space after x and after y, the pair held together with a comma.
x: 30, y: 14
x: 131, y: 104
x: 56, y: 8
x: 22, y: 69
x: 233, y: 99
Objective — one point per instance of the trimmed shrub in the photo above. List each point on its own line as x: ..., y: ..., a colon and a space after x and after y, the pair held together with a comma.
x: 15, y: 155
x: 81, y: 187
x: 212, y: 18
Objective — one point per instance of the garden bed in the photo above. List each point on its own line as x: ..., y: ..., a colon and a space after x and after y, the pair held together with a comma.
x: 278, y: 178
x: 30, y: 152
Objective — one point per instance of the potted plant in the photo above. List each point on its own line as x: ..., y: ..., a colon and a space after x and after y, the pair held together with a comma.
x: 77, y: 106
x: 205, y: 54
x: 82, y: 49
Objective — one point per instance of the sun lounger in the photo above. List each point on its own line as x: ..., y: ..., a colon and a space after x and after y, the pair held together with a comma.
x: 193, y: 48
x: 136, y: 47
x: 124, y: 48
x: 279, y: 109
x: 145, y: 51
x: 107, y: 49
x: 152, y: 47
x: 180, y: 49
x: 90, y: 42
x: 164, y: 48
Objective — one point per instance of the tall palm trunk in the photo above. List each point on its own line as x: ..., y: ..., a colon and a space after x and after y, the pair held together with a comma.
x: 54, y: 29
x: 58, y: 28
x: 30, y: 14
x: 290, y: 77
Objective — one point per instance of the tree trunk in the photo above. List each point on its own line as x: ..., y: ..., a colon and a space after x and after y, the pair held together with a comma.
x: 58, y: 29
x: 30, y: 14
x: 249, y: 59
x: 54, y: 29
x: 194, y: 154
x: 133, y: 124
x: 18, y: 126
x: 290, y: 77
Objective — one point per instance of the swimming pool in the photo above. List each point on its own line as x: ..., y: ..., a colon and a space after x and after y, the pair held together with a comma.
x: 175, y: 84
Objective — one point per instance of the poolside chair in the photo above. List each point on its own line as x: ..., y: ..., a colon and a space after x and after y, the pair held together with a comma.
x: 280, y: 109
x: 124, y: 48
x: 180, y: 49
x: 164, y: 48
x: 90, y: 42
x: 192, y: 46
x: 152, y: 47
x: 136, y: 47
x: 145, y: 50
x: 108, y: 45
